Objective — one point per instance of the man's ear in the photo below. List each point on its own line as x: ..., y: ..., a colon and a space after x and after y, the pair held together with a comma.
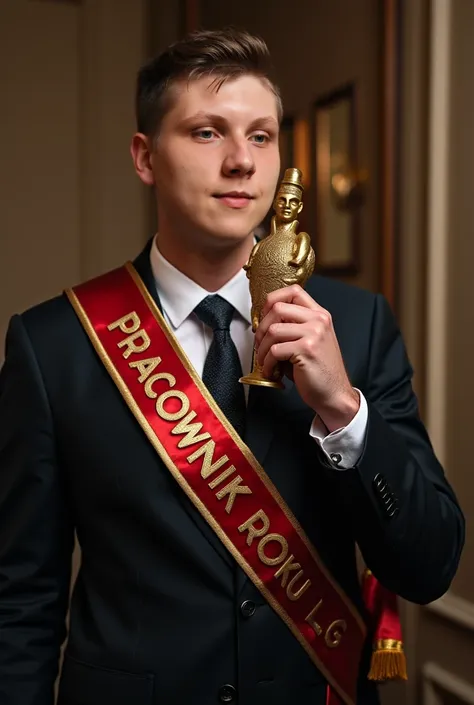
x: 141, y: 156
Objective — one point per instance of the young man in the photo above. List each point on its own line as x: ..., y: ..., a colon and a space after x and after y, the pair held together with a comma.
x: 203, y: 578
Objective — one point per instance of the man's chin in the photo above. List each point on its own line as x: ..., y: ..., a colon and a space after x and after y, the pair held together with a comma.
x: 231, y: 234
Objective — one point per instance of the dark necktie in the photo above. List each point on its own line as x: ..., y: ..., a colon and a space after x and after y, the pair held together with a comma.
x: 222, y: 369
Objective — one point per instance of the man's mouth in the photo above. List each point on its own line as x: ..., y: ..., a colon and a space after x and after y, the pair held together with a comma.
x: 235, y: 199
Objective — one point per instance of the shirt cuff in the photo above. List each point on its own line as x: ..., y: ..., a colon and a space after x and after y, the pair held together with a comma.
x: 344, y: 446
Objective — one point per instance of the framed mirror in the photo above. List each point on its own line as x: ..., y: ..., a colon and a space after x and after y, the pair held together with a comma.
x: 337, y: 184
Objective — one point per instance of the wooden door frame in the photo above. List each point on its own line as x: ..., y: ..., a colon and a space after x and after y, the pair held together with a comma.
x: 190, y: 16
x: 390, y: 150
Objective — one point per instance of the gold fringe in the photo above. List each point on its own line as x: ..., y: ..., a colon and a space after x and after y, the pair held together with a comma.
x: 388, y: 661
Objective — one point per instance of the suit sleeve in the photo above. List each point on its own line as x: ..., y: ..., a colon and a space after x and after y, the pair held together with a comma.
x: 36, y: 536
x: 405, y: 516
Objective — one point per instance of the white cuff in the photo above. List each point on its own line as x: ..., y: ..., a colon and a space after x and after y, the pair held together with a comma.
x: 344, y: 446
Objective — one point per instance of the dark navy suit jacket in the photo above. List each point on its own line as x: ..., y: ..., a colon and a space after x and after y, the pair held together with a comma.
x: 160, y: 613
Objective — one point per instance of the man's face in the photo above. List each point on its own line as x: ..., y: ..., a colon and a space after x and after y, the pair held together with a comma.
x: 287, y: 206
x: 216, y: 160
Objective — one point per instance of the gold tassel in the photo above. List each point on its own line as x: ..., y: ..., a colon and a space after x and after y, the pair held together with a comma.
x: 388, y: 661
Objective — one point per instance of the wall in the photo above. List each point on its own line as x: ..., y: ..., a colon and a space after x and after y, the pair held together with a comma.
x: 318, y: 46
x: 40, y: 248
x: 71, y: 205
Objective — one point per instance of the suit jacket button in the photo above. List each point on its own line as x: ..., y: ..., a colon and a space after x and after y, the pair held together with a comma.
x: 248, y: 608
x: 379, y: 481
x: 227, y: 694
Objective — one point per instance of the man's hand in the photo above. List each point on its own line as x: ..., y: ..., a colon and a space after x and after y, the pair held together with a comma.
x: 295, y: 329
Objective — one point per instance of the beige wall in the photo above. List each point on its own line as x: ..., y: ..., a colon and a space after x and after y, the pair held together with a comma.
x: 318, y: 46
x: 71, y: 205
x: 39, y: 163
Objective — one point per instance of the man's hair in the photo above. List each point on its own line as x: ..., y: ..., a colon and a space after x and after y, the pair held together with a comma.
x: 221, y: 55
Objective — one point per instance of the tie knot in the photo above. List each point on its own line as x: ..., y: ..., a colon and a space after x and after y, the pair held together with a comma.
x: 215, y: 312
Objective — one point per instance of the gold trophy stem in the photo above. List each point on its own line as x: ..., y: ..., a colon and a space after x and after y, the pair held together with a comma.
x: 256, y: 378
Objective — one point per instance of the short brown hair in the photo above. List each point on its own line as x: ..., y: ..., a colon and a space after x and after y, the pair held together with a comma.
x: 221, y: 54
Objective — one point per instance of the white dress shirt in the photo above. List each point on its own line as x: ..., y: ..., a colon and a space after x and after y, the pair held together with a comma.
x: 179, y: 296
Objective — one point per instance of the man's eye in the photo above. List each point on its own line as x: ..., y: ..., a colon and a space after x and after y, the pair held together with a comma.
x: 204, y: 134
x: 260, y: 138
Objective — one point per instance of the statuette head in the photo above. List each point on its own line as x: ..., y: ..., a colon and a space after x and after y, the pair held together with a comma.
x: 288, y: 201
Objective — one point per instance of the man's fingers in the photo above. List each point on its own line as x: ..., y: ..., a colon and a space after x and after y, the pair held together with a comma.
x: 279, y: 352
x: 279, y: 333
x: 292, y: 295
x: 282, y: 313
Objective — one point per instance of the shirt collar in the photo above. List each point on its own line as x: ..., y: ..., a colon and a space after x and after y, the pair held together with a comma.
x: 180, y: 295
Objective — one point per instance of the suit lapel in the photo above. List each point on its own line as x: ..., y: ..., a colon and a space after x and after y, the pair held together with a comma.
x: 143, y: 267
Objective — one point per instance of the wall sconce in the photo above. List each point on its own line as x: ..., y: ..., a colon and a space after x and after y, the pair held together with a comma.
x: 348, y: 188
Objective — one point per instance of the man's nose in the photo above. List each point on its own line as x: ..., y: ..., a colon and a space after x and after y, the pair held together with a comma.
x: 239, y: 160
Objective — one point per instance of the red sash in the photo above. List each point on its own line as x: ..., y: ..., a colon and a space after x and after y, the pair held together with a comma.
x: 219, y: 474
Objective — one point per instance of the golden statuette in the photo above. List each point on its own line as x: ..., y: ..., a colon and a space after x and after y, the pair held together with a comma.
x: 281, y: 259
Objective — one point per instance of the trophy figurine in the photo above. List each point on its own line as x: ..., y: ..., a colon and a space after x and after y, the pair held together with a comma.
x: 282, y: 258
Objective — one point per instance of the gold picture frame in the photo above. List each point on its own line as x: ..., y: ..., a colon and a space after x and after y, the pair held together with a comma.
x: 337, y: 186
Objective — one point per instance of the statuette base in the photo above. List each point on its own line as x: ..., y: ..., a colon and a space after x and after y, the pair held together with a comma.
x: 255, y: 379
